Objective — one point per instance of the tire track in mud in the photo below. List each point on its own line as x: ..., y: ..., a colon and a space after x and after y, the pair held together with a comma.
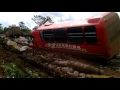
x: 59, y: 64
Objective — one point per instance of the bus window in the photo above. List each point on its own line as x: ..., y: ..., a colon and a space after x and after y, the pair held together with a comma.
x: 75, y: 35
x: 48, y: 35
x: 41, y: 35
x: 60, y: 35
x: 90, y: 34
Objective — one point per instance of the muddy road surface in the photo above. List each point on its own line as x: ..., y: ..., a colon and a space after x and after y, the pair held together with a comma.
x: 9, y: 55
x: 49, y: 64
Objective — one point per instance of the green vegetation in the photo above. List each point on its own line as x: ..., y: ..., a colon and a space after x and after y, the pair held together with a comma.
x: 1, y: 29
x: 13, y: 71
x: 40, y: 20
x: 24, y: 28
x: 32, y: 74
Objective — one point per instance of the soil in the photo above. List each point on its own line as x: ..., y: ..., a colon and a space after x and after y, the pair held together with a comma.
x: 56, y: 64
x: 9, y: 56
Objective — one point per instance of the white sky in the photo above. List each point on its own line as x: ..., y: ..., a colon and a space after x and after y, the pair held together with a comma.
x: 9, y: 18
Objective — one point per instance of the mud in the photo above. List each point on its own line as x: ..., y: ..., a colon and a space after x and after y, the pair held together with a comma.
x: 50, y: 64
x: 9, y: 55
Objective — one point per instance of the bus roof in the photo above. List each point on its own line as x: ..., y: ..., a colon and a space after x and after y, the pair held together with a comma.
x: 83, y: 22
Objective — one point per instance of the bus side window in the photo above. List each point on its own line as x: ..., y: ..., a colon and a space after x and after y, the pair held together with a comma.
x: 75, y: 35
x: 48, y: 35
x: 90, y: 34
x: 41, y: 35
x: 60, y: 35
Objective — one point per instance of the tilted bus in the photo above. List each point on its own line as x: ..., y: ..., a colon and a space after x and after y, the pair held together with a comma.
x: 97, y: 36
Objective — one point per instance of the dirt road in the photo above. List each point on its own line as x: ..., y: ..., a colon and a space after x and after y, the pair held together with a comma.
x: 56, y: 64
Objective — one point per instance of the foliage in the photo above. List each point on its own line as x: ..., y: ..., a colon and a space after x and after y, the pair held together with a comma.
x: 40, y: 20
x: 13, y: 71
x: 21, y: 24
x: 5, y: 29
x: 24, y: 28
x: 1, y: 28
x: 26, y: 31
x: 32, y: 74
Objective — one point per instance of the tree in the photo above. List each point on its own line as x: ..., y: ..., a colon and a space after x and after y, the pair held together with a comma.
x: 24, y: 28
x: 22, y: 24
x: 1, y: 28
x: 40, y: 20
x: 5, y: 29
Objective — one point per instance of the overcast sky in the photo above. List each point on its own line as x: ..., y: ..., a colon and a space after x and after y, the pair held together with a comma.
x: 9, y: 18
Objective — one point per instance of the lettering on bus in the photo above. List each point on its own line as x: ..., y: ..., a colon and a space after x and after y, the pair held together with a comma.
x: 66, y: 46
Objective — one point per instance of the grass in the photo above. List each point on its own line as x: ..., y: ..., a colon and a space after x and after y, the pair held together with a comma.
x: 13, y: 71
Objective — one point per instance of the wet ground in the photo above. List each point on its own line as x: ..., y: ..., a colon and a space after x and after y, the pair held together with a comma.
x: 56, y: 64
x: 7, y: 57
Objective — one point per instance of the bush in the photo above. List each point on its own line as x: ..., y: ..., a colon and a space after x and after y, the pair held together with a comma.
x: 12, y: 71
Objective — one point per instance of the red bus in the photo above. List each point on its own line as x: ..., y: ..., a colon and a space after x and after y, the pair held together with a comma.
x: 97, y: 36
